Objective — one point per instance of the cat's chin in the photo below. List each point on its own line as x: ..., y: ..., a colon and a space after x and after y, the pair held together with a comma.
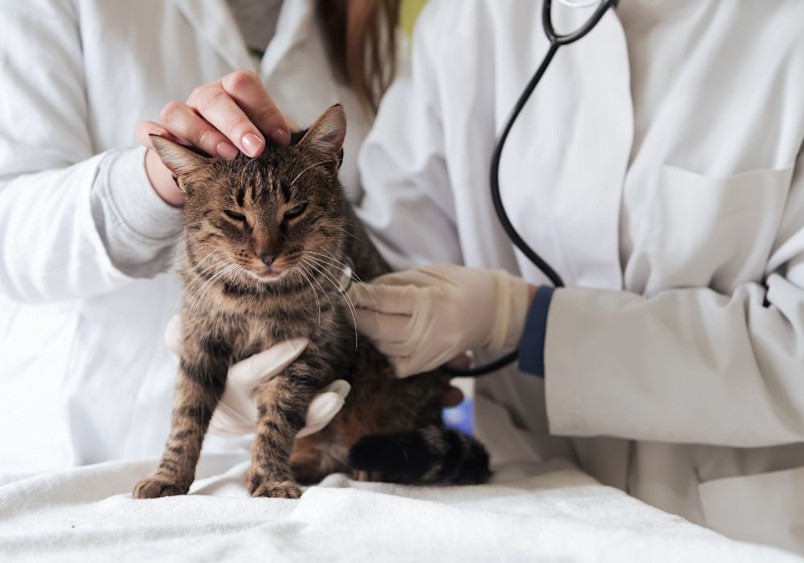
x: 267, y: 276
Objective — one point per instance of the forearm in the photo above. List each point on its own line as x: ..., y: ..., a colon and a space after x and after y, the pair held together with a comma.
x: 686, y: 365
x: 138, y: 229
x: 63, y: 232
x: 69, y: 225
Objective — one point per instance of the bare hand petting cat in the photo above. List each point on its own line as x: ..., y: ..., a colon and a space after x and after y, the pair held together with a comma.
x: 423, y: 318
x: 236, y: 413
x: 220, y: 118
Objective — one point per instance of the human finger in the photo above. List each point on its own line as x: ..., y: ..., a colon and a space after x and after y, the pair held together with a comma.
x: 385, y: 328
x: 420, y: 278
x: 462, y: 361
x: 173, y: 335
x: 451, y: 397
x: 248, y: 91
x: 148, y: 128
x: 266, y: 364
x: 419, y: 361
x: 216, y: 106
x: 407, y: 365
x: 191, y: 128
x: 397, y: 300
x: 233, y: 416
x: 325, y: 406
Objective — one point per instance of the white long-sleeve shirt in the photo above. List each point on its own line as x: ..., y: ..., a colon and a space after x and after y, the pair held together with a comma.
x: 84, y: 372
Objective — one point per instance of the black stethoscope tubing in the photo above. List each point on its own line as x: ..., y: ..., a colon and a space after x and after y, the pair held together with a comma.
x: 556, y: 41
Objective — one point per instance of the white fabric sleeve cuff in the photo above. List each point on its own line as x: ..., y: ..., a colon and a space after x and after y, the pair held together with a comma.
x: 138, y: 229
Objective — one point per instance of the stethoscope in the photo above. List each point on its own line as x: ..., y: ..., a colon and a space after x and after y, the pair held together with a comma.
x: 556, y: 41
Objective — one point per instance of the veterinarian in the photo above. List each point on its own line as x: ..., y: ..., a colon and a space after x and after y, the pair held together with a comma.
x: 658, y: 168
x: 89, y: 224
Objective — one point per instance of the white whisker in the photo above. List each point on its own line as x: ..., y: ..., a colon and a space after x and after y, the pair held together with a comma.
x: 343, y: 294
x: 324, y: 291
x: 195, y: 298
x: 335, y: 262
x: 303, y: 273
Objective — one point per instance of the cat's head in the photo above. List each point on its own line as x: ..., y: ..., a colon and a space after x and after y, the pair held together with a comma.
x: 265, y: 220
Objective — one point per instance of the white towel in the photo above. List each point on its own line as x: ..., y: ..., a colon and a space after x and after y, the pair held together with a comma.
x: 555, y: 513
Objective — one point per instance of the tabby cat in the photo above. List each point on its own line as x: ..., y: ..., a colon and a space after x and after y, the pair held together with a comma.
x: 265, y: 244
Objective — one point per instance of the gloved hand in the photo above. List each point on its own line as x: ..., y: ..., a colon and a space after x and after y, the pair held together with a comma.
x: 423, y: 318
x: 236, y: 413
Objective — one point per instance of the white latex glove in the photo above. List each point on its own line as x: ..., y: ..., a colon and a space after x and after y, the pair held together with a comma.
x: 423, y: 318
x: 236, y: 412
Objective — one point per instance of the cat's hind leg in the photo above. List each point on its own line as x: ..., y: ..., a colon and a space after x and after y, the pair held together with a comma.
x: 316, y: 456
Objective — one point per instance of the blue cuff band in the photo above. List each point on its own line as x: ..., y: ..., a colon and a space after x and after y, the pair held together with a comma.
x: 531, y: 347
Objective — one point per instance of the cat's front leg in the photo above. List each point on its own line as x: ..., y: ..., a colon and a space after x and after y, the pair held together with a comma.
x: 281, y: 405
x: 201, y: 379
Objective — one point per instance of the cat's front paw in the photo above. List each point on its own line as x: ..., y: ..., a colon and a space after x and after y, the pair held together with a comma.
x: 261, y: 486
x: 155, y: 487
x: 277, y: 489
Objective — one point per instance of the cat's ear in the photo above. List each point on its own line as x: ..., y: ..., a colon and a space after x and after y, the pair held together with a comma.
x: 325, y: 137
x: 179, y: 159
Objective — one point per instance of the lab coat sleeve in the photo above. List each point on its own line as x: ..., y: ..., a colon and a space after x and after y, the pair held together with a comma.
x: 686, y: 365
x: 138, y: 229
x: 407, y: 206
x: 57, y: 227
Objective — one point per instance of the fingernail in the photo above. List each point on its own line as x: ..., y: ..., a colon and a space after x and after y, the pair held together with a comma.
x: 281, y: 137
x: 227, y: 151
x: 252, y: 144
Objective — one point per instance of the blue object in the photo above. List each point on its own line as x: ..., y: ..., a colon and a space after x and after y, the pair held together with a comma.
x: 460, y: 417
x: 531, y: 347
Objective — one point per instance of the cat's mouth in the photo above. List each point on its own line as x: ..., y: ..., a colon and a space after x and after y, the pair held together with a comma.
x: 269, y: 273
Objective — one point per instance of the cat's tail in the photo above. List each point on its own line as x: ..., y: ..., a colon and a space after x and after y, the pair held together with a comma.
x: 433, y: 454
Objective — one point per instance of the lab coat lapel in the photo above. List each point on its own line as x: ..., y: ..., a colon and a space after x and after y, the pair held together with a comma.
x: 296, y: 61
x: 598, y: 145
x: 296, y: 22
x: 215, y: 22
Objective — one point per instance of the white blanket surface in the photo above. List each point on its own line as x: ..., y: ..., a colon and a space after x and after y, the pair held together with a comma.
x: 555, y: 513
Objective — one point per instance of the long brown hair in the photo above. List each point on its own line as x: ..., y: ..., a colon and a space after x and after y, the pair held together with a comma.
x: 361, y: 36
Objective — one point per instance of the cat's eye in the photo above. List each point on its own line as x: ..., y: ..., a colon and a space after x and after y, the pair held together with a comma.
x: 235, y: 215
x: 295, y: 211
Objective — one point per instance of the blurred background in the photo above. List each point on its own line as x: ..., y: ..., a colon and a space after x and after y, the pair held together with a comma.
x: 410, y: 9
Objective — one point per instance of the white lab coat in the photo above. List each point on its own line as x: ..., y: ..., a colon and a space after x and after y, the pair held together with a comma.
x: 84, y: 373
x: 681, y: 378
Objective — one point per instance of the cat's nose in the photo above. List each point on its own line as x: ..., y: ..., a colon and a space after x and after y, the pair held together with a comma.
x: 268, y: 258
